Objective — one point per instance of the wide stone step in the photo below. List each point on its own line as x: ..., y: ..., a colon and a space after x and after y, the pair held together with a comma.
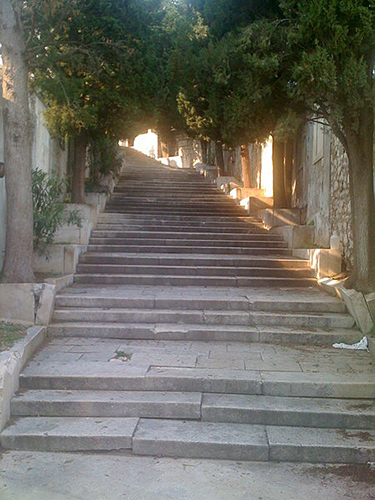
x: 117, y: 315
x: 207, y: 242
x: 302, y: 319
x: 113, y: 216
x: 170, y: 270
x: 161, y: 331
x: 235, y: 408
x: 153, y: 316
x: 169, y: 235
x: 252, y: 442
x: 137, y: 299
x: 289, y: 411
x: 184, y: 405
x: 134, y: 279
x: 69, y: 434
x: 192, y: 260
x: 205, y: 333
x: 142, y: 302
x: 171, y: 227
x: 211, y: 250
x: 120, y: 376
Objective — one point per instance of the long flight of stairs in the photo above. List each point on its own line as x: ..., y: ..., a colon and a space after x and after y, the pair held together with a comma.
x: 191, y: 331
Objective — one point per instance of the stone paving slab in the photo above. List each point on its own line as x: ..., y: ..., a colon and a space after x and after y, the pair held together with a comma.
x: 265, y: 357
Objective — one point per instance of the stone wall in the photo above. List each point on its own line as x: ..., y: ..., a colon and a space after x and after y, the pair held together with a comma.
x: 340, y: 207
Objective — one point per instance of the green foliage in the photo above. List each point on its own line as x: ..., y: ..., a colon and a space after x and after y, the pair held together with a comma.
x: 49, y: 210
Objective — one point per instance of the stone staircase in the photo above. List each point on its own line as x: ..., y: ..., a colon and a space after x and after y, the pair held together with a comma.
x: 191, y: 331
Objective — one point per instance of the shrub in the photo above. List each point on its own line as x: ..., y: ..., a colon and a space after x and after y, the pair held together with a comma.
x: 49, y: 210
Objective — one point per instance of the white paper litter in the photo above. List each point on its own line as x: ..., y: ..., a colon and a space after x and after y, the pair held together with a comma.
x: 362, y: 345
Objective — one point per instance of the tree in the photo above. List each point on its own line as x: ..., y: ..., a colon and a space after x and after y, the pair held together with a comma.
x: 317, y: 58
x: 333, y: 74
x: 17, y: 147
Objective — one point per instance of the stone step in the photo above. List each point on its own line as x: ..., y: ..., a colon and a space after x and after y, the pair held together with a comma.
x: 205, y: 333
x: 140, y: 301
x: 289, y: 411
x: 69, y: 434
x: 198, y: 317
x: 199, y: 202
x: 211, y: 250
x: 177, y: 405
x: 134, y: 279
x: 121, y: 376
x: 204, y: 317
x: 171, y: 227
x: 169, y: 270
x: 302, y: 319
x: 206, y: 242
x: 179, y: 206
x: 113, y: 216
x: 193, y: 260
x: 169, y: 235
x: 252, y: 442
x: 234, y: 408
x: 154, y: 212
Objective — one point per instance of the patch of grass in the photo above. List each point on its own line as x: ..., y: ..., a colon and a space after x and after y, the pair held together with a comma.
x: 10, y: 333
x: 124, y: 356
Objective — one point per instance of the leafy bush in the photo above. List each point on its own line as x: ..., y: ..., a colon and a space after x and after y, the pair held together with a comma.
x: 49, y: 210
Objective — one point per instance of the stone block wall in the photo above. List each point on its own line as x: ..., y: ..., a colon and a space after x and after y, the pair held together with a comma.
x: 340, y: 207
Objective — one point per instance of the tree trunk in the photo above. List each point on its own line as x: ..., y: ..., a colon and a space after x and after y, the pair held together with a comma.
x: 204, y: 147
x: 219, y: 157
x: 245, y: 164
x: 79, y: 168
x: 288, y: 172
x: 18, y: 265
x: 279, y: 200
x: 361, y: 181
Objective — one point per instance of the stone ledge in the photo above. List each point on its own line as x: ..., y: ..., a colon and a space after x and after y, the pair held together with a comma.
x: 59, y: 259
x: 29, y: 303
x: 326, y: 262
x: 11, y: 364
x: 296, y: 237
x: 356, y: 303
x: 274, y: 217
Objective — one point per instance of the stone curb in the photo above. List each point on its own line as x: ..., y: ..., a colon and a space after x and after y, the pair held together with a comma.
x: 11, y: 364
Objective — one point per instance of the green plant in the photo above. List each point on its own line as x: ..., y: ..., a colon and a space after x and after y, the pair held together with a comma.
x: 49, y: 210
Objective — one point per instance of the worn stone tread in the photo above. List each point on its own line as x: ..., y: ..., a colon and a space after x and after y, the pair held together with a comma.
x: 289, y: 411
x: 69, y: 434
x: 107, y: 404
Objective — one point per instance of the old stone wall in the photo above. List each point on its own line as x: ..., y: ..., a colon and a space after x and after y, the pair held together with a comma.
x: 340, y: 207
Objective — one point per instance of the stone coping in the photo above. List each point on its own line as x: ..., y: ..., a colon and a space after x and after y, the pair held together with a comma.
x: 12, y: 362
